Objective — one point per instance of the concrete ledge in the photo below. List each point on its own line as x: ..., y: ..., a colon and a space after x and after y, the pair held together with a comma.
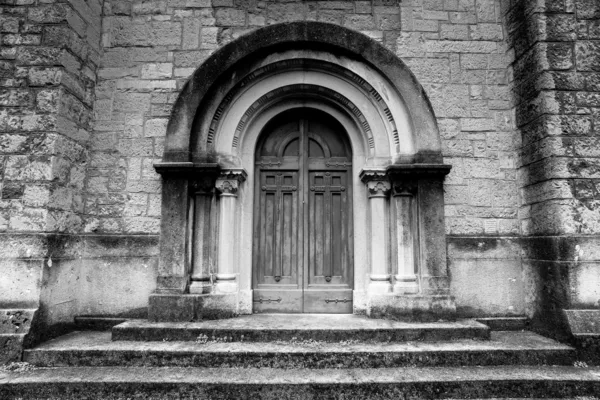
x: 191, y: 307
x: 298, y: 327
x: 411, y: 307
x: 275, y: 383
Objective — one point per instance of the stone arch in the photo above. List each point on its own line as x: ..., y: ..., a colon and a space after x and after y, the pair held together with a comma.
x: 311, y: 35
x: 208, y: 167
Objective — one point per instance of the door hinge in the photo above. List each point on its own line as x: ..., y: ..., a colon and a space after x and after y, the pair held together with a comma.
x: 338, y: 300
x: 268, y: 300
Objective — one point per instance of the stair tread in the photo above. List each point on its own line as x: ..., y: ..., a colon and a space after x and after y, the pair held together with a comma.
x: 500, y: 341
x: 276, y: 376
x: 304, y: 322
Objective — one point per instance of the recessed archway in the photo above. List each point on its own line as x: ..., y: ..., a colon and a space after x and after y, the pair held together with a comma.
x: 207, y: 235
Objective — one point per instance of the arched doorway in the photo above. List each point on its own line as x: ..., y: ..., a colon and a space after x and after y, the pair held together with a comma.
x: 223, y: 116
x: 302, y: 250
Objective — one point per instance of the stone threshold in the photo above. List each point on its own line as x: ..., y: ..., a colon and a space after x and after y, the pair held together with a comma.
x: 320, y: 327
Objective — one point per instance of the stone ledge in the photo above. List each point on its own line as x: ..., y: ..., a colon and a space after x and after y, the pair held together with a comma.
x: 299, y: 327
x: 243, y: 383
x: 191, y: 307
x: 97, y: 349
x: 411, y: 307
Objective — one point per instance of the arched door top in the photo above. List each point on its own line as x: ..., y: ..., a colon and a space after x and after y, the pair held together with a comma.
x: 230, y: 62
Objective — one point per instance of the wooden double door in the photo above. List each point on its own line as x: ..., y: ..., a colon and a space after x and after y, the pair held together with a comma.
x: 303, y: 252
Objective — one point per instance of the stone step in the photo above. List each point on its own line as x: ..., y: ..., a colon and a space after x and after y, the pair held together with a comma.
x: 505, y: 323
x: 300, y: 327
x: 94, y: 323
x: 97, y: 349
x: 276, y: 383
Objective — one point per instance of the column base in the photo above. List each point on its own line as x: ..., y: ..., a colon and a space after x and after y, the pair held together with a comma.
x: 226, y: 283
x: 201, y: 287
x: 406, y: 285
x: 421, y: 308
x: 379, y: 284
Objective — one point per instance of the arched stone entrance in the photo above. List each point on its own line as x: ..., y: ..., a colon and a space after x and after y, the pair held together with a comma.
x: 208, y: 239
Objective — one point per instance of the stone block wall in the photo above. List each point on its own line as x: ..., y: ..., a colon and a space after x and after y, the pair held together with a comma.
x: 50, y: 54
x: 457, y: 50
x: 557, y: 97
x: 86, y: 90
x: 49, y: 58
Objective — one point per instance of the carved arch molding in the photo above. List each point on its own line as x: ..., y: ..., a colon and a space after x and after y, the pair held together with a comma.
x: 208, y: 170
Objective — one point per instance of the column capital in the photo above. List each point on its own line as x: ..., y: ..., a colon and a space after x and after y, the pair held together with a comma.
x: 378, y: 188
x: 229, y: 180
x: 378, y: 184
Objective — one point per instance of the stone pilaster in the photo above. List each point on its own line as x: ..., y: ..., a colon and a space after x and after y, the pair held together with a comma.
x: 203, y: 194
x: 227, y: 186
x: 406, y: 230
x: 378, y: 188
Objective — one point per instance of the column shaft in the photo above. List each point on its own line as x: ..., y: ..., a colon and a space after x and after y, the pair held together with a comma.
x: 378, y: 188
x: 227, y: 186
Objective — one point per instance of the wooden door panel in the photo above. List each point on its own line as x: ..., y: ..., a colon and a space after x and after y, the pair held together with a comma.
x: 277, y: 261
x: 329, y: 232
x: 278, y: 300
x: 330, y: 301
x: 303, y: 218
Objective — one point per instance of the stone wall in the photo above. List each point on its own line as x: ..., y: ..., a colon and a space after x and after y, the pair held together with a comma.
x: 49, y: 58
x: 457, y: 50
x: 83, y: 119
x: 557, y: 83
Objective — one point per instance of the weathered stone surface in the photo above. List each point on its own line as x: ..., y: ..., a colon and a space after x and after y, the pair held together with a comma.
x: 271, y: 327
x: 97, y: 349
x: 157, y: 382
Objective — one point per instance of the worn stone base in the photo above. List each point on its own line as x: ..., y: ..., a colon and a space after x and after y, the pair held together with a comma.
x: 193, y: 307
x: 15, y: 325
x: 585, y: 328
x: 11, y: 346
x: 411, y: 307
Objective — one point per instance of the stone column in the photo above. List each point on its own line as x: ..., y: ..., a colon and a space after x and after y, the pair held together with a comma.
x: 227, y: 186
x: 378, y: 188
x: 203, y: 191
x: 403, y: 216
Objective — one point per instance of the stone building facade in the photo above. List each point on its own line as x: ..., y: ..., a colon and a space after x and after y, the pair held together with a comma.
x: 128, y: 154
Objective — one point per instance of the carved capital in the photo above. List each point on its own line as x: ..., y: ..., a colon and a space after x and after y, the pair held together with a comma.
x: 229, y: 181
x: 378, y: 188
x: 404, y: 188
x: 377, y: 182
x: 227, y: 187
